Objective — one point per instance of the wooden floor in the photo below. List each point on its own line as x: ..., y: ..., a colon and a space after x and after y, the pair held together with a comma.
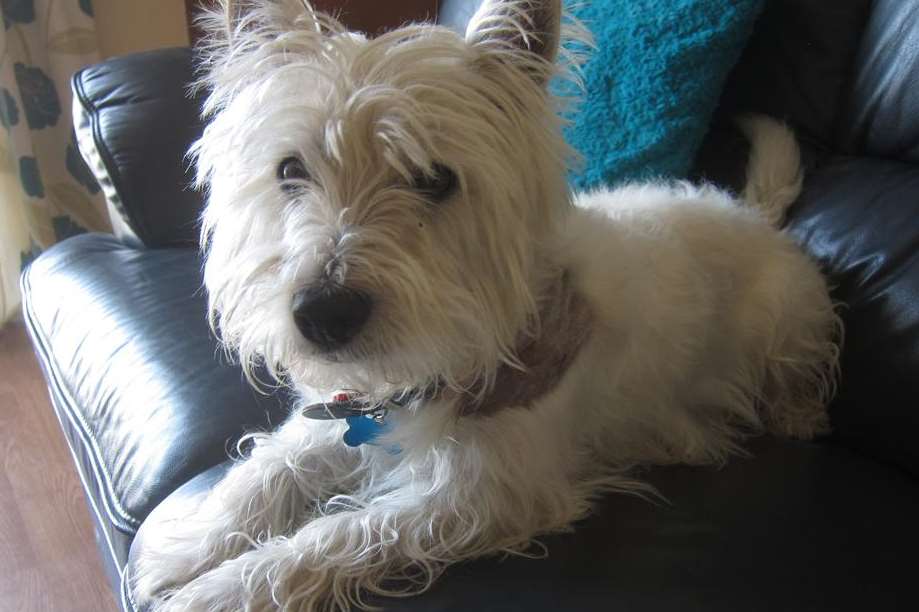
x: 48, y: 558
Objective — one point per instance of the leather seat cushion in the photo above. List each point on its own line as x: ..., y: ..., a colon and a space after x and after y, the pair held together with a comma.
x: 796, y: 527
x: 135, y: 372
x: 858, y: 217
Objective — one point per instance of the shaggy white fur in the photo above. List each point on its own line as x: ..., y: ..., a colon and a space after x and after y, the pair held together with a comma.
x: 706, y: 324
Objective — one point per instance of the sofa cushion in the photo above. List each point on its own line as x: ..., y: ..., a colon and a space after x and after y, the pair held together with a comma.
x: 135, y: 371
x: 883, y: 118
x: 860, y: 218
x: 796, y: 527
x: 651, y: 83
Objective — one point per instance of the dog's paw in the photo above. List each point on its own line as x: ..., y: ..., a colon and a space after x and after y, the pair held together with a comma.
x: 175, y: 553
x: 265, y: 579
x: 153, y: 576
x: 170, y: 559
x: 250, y: 583
x: 206, y: 595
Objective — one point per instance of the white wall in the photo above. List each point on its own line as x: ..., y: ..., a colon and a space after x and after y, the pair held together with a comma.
x: 126, y: 26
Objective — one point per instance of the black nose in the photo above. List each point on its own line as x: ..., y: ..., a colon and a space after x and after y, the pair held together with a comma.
x: 330, y: 316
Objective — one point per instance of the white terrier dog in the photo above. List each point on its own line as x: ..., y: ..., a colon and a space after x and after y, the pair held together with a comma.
x: 392, y: 216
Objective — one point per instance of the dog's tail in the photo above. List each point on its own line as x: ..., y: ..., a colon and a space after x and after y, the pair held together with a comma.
x: 774, y: 173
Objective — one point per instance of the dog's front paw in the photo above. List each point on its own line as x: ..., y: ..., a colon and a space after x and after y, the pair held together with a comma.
x: 154, y: 575
x: 251, y: 582
x: 176, y: 552
x: 206, y: 593
x: 175, y: 555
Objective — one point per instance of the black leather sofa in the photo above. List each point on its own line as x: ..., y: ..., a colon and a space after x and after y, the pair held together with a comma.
x: 150, y: 408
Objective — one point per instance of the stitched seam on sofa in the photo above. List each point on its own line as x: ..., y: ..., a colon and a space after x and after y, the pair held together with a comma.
x: 114, y: 175
x: 115, y: 511
x: 83, y: 479
x: 118, y: 515
x: 86, y: 141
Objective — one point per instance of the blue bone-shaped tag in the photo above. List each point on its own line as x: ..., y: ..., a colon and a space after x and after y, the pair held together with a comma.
x: 363, y: 430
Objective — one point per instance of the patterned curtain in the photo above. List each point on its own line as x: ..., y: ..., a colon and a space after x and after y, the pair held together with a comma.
x: 47, y: 194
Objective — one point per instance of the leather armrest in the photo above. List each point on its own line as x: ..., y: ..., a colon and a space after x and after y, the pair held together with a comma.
x: 135, y: 121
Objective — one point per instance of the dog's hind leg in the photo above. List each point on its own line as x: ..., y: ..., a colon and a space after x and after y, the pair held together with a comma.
x: 270, y: 492
x: 803, y: 360
x: 800, y: 330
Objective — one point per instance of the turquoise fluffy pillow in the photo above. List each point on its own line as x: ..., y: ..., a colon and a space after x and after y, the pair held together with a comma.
x: 652, y: 83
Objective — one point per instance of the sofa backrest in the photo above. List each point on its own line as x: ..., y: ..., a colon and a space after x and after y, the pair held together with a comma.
x: 845, y: 75
x: 882, y: 118
x: 798, y: 65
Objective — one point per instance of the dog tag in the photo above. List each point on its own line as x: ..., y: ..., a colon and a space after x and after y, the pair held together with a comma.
x: 363, y: 430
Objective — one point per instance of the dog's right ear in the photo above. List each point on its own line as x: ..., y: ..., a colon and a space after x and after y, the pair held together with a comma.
x: 242, y: 37
x: 232, y: 20
x: 522, y: 32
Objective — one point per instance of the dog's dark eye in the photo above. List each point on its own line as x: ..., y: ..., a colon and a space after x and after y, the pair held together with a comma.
x: 290, y: 171
x: 438, y: 185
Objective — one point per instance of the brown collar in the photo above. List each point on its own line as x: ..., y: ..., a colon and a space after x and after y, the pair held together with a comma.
x: 565, y: 323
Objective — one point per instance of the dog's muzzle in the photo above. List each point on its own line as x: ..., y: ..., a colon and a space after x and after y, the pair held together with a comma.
x: 329, y: 315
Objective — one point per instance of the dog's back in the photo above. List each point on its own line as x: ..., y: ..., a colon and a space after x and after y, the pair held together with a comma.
x: 712, y: 322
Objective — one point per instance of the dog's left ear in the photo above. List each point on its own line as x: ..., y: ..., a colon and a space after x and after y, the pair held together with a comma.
x: 526, y: 32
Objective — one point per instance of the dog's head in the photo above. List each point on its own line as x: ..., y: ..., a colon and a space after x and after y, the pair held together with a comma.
x: 379, y: 210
